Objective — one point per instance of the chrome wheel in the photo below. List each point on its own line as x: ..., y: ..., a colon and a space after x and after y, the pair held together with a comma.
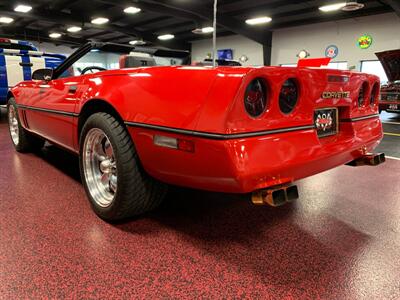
x: 13, y: 124
x: 100, y: 167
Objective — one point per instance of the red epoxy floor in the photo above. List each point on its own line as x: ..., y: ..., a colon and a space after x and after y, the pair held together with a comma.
x: 341, y: 240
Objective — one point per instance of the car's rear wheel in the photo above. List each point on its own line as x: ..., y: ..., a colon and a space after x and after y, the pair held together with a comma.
x: 23, y: 140
x: 114, y: 180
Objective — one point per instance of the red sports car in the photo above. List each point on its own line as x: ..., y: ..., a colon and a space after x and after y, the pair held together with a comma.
x: 153, y: 121
x: 390, y: 92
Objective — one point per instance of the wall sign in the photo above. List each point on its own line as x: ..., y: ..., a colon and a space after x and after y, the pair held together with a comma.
x: 303, y: 54
x: 331, y: 51
x: 364, y: 41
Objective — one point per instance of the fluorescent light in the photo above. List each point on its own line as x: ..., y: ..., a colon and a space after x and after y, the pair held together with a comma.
x: 166, y: 37
x: 100, y: 21
x: 74, y: 29
x: 55, y: 35
x: 132, y: 10
x: 257, y: 21
x: 6, y: 20
x: 207, y: 29
x: 23, y: 8
x: 332, y: 7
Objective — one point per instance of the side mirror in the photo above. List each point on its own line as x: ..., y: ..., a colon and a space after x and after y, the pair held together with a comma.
x: 43, y: 74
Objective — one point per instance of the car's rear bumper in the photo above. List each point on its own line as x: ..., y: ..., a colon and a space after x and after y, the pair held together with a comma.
x: 248, y: 164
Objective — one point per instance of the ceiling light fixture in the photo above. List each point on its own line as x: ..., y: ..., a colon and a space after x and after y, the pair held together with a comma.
x: 166, y: 37
x: 55, y: 35
x: 353, y: 6
x: 258, y: 21
x: 23, y: 8
x: 332, y: 7
x: 203, y: 30
x: 137, y: 42
x: 74, y: 29
x: 100, y: 21
x: 132, y: 10
x: 6, y: 20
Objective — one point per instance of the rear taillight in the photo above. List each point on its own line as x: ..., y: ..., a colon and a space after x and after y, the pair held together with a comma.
x: 374, y: 94
x: 362, y: 94
x: 288, y: 96
x: 255, y: 99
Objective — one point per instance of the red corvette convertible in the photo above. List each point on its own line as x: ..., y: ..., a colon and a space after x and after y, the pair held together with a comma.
x: 153, y: 121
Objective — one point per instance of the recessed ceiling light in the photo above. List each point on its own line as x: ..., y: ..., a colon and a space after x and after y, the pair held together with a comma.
x: 203, y: 30
x: 332, y: 7
x: 137, y: 42
x: 23, y: 8
x: 74, y: 29
x: 132, y: 10
x: 6, y: 20
x: 258, y: 21
x: 100, y: 21
x: 55, y: 35
x: 166, y: 37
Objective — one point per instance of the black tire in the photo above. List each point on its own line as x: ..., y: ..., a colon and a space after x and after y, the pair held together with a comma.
x: 137, y: 192
x: 27, y: 142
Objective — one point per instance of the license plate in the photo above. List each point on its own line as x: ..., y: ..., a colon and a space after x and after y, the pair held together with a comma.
x: 393, y: 107
x: 326, y: 121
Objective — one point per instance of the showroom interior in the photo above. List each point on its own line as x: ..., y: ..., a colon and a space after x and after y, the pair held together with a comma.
x: 132, y: 168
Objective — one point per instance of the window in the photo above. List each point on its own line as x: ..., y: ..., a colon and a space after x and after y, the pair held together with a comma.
x: 374, y: 67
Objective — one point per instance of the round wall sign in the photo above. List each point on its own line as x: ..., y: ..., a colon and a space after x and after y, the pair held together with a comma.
x: 365, y: 41
x: 331, y: 51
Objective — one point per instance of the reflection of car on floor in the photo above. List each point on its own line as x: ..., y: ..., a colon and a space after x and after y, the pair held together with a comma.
x: 18, y: 59
x: 390, y: 92
x: 227, y: 129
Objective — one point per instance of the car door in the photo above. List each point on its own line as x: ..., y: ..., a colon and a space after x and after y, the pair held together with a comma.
x: 50, y: 110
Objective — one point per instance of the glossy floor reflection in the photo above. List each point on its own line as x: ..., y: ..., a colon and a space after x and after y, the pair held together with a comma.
x: 339, y: 241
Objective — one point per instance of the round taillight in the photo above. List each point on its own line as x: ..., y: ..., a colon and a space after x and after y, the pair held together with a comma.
x: 255, y: 99
x: 374, y: 94
x: 288, y: 96
x: 362, y: 94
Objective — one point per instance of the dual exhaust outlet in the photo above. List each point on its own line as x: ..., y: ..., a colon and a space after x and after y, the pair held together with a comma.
x: 282, y: 194
x: 369, y: 159
x: 275, y: 196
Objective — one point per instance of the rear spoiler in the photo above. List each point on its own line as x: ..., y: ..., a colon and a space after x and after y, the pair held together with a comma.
x: 31, y: 53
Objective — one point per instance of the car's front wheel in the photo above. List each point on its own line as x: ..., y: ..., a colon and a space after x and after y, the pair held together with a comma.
x: 114, y: 180
x: 23, y: 140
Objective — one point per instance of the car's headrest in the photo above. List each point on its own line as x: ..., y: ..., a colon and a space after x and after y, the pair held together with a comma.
x: 134, y: 60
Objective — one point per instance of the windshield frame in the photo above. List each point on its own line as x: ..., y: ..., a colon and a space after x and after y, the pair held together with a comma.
x: 117, y: 48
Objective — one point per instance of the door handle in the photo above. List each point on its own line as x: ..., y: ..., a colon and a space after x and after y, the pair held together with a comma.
x: 25, y: 64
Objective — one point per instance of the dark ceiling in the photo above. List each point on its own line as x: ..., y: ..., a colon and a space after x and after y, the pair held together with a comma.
x: 178, y: 17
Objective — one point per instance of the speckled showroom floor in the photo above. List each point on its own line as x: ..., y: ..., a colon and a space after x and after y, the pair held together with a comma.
x: 341, y: 240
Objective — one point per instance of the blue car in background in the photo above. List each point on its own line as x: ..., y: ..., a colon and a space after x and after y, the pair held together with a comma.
x: 18, y: 59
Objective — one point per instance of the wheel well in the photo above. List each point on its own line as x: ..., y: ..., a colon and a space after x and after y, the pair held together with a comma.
x: 95, y: 106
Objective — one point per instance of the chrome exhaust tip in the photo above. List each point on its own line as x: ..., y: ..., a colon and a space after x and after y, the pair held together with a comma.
x: 370, y: 159
x: 275, y: 196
